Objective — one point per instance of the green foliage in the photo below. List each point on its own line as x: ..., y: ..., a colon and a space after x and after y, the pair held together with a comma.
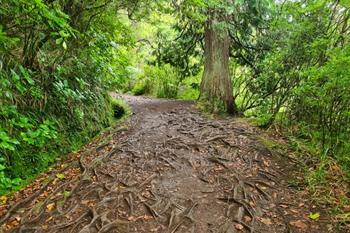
x: 7, y: 184
x: 317, y: 176
x: 45, y: 132
x: 161, y: 81
x: 325, y: 96
x: 189, y: 87
x: 166, y: 79
x: 300, y: 78
x: 120, y: 109
x: 58, y: 61
x: 166, y: 82
x: 143, y: 86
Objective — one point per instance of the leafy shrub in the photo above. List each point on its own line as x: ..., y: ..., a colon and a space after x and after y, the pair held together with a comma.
x: 302, y: 81
x: 34, y: 133
x: 322, y: 102
x: 161, y: 81
x: 54, y: 81
x: 7, y: 184
x: 190, y: 87
x: 120, y: 108
x: 143, y: 86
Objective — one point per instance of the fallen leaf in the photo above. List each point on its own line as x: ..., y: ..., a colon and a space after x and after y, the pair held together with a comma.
x: 49, y: 219
x: 13, y: 223
x: 60, y: 176
x: 155, y: 229
x: 299, y: 224
x: 247, y: 218
x: 294, y: 211
x: 266, y: 221
x: 50, y: 207
x: 3, y: 200
x: 147, y: 217
x: 314, y: 216
x: 267, y: 164
x: 239, y: 226
x: 85, y: 202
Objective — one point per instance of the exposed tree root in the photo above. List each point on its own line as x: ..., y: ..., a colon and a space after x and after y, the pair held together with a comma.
x: 167, y: 173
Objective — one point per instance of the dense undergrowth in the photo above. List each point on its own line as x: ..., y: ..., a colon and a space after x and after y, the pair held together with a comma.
x: 57, y: 65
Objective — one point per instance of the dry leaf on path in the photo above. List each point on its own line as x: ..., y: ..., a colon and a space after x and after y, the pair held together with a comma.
x: 3, y: 200
x: 239, y: 226
x: 50, y: 207
x: 298, y: 224
x: 147, y: 217
x: 247, y: 218
x: 266, y: 221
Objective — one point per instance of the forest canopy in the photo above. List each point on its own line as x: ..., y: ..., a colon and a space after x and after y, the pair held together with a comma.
x: 282, y: 63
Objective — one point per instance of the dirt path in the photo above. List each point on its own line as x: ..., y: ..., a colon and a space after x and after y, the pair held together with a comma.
x: 171, y: 170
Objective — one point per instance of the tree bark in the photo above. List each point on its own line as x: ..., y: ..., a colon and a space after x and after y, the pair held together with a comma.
x: 216, y: 86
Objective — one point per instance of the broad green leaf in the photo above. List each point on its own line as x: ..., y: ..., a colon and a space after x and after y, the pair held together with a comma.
x: 60, y: 176
x: 59, y: 40
x: 64, y: 45
x: 314, y: 216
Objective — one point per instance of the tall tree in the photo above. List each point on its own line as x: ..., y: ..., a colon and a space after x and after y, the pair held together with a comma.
x: 216, y: 86
x: 224, y: 29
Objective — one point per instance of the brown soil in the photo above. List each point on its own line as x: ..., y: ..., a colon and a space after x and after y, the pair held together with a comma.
x: 167, y: 169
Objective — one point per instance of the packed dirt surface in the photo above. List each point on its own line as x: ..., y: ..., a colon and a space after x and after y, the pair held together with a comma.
x: 167, y: 169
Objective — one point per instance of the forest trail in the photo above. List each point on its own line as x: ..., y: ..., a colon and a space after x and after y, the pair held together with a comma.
x: 167, y: 169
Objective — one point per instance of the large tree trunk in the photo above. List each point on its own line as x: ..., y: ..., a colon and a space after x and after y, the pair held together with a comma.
x: 216, y: 86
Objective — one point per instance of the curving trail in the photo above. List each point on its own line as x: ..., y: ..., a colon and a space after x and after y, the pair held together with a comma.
x: 168, y: 169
